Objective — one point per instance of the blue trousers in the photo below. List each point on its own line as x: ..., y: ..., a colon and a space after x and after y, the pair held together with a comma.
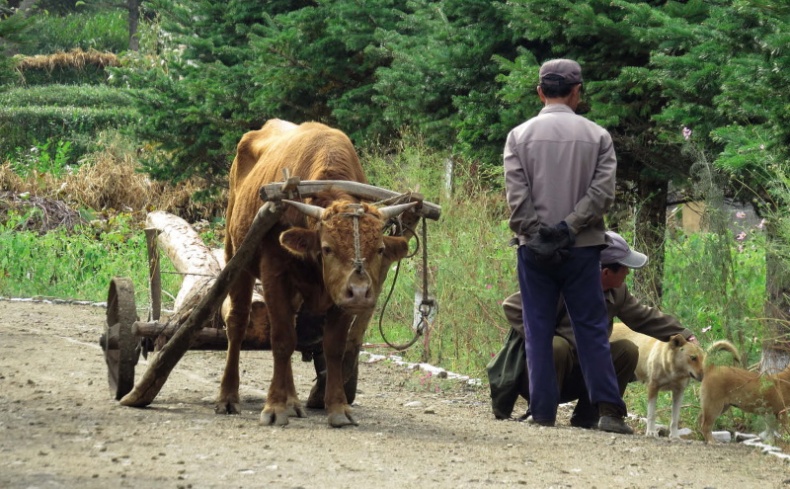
x: 578, y: 279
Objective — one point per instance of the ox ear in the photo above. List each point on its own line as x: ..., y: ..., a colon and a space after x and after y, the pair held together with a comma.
x: 299, y: 241
x: 395, y: 248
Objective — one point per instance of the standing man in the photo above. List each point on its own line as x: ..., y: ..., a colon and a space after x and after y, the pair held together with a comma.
x: 560, y: 180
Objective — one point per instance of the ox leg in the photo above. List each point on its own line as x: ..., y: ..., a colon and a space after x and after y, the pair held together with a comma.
x: 281, y: 401
x: 339, y: 413
x: 316, y: 399
x: 236, y: 323
x: 351, y: 356
x: 350, y: 376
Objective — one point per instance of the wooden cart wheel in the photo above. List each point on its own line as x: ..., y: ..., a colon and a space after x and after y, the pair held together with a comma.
x: 121, y: 347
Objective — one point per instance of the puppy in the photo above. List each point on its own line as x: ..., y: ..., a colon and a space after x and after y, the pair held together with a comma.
x: 725, y: 386
x: 664, y: 366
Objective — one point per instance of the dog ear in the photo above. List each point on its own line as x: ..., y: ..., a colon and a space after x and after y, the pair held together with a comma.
x: 677, y: 341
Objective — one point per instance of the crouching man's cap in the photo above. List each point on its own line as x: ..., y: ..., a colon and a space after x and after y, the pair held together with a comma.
x: 618, y: 251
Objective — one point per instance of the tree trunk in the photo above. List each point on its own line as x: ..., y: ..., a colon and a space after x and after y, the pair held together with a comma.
x: 134, y: 20
x: 650, y: 228
x: 776, y: 339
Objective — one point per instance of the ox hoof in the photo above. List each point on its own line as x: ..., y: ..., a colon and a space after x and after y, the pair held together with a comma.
x: 338, y: 420
x: 279, y: 417
x: 227, y: 408
x: 273, y: 419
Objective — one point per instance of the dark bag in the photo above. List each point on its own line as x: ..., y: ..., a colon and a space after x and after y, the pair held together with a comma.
x: 505, y: 373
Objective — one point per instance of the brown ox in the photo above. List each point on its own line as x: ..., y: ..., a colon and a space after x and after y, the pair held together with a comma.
x: 331, y: 264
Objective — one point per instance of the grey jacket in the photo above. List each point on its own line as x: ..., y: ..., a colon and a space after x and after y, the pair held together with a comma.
x: 560, y: 166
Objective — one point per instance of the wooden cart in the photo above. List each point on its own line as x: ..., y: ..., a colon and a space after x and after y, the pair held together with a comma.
x: 197, y: 324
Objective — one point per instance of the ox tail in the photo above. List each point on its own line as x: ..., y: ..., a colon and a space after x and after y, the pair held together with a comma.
x: 724, y: 345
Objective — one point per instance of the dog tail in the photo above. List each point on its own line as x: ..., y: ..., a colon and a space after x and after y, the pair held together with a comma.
x: 726, y: 346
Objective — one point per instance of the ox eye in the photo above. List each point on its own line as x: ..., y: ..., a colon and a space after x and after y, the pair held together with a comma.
x: 693, y: 358
x: 381, y: 250
x: 325, y: 250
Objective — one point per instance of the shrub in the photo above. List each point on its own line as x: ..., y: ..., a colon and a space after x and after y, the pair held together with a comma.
x: 101, y: 31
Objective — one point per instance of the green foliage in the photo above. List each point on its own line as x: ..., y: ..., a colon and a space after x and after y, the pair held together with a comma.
x: 719, y: 82
x: 68, y: 95
x: 102, y: 31
x: 47, y: 158
x: 14, y: 30
x: 33, y: 126
x: 199, y: 87
x: 78, y: 264
x: 714, y: 302
x: 69, y: 115
x: 440, y: 80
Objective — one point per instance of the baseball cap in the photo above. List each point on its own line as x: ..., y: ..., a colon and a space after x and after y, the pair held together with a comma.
x: 618, y: 251
x: 560, y: 72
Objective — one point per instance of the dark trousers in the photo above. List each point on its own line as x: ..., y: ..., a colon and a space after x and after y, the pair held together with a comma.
x: 625, y: 356
x: 578, y: 278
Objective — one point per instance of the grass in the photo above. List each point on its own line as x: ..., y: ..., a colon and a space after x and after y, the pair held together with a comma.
x: 77, y: 263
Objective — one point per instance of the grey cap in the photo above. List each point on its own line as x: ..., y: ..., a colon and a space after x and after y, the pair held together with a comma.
x: 560, y: 72
x: 618, y: 251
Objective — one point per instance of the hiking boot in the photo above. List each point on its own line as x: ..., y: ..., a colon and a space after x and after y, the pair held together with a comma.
x: 614, y: 424
x: 533, y: 421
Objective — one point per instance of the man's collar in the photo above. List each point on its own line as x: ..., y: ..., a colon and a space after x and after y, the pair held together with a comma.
x: 551, y: 108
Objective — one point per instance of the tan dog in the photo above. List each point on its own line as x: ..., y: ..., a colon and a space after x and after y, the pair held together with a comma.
x: 725, y: 386
x: 664, y: 366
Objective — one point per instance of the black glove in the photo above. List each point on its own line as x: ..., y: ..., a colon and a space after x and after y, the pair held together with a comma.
x: 550, y: 244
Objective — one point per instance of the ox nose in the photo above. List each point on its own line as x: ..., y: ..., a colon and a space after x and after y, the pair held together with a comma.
x: 358, y: 290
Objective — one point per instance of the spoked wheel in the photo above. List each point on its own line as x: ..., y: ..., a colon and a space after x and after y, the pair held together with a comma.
x: 121, y: 347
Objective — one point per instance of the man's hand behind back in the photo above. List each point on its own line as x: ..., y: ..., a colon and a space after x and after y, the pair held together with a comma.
x: 550, y: 244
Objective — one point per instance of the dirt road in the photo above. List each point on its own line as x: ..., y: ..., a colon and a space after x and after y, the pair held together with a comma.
x: 59, y: 427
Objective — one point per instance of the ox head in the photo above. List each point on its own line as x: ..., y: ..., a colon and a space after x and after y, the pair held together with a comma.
x: 350, y: 244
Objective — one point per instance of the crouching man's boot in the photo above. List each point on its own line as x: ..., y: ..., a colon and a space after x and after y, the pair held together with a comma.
x: 612, y: 420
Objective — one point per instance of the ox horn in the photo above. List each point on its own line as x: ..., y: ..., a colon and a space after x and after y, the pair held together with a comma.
x: 394, y: 210
x: 307, y: 209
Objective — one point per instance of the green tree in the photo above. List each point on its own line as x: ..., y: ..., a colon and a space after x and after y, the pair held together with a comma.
x: 725, y: 82
x: 319, y: 63
x: 441, y: 82
x: 198, y: 88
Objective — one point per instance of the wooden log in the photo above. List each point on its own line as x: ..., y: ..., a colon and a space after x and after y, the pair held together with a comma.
x: 205, y: 339
x: 189, y: 255
x: 160, y: 367
x: 200, y: 266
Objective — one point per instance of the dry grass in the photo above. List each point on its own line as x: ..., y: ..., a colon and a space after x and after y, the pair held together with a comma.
x: 76, y: 58
x: 111, y: 182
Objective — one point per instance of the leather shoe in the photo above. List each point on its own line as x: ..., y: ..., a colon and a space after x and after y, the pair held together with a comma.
x: 614, y: 424
x: 587, y: 424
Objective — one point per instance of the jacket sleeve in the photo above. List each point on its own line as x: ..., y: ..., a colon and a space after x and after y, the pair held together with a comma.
x: 645, y: 319
x: 600, y: 194
x: 523, y: 216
